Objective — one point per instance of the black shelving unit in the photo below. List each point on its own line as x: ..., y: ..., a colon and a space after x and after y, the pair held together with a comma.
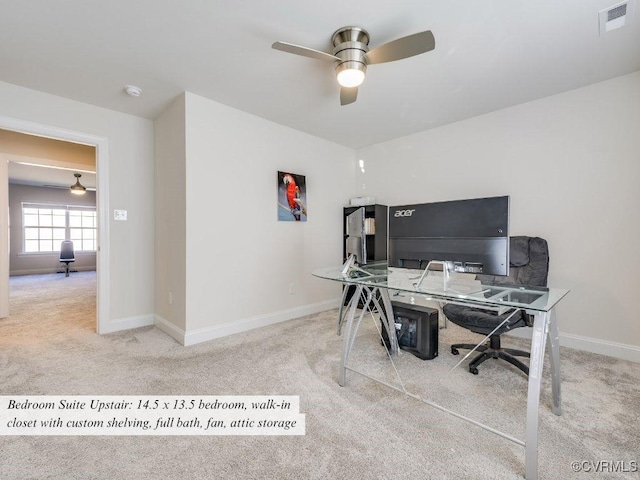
x: 376, y: 242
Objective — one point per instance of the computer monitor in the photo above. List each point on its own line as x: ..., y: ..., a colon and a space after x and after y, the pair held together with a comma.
x: 356, y: 243
x: 469, y: 236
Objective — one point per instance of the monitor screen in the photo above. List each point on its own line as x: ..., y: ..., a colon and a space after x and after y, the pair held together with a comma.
x: 471, y: 236
x: 356, y: 236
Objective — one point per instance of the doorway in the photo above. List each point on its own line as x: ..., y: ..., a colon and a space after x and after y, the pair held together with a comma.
x: 102, y: 248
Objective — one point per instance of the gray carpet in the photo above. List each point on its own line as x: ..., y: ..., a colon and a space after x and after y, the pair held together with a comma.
x: 362, y: 431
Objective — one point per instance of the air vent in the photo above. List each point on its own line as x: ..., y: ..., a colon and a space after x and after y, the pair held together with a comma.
x: 616, y: 16
x: 617, y: 12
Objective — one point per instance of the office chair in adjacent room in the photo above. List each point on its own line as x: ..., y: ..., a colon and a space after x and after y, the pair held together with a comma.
x: 528, y: 265
x: 66, y: 256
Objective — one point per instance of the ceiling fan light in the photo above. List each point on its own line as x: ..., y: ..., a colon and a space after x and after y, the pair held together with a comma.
x: 350, y: 74
x: 350, y: 77
x: 77, y: 188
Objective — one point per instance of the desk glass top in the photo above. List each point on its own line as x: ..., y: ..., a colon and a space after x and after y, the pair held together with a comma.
x: 458, y: 287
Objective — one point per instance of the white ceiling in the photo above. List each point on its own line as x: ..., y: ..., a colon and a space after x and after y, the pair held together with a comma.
x: 489, y: 55
x: 48, y: 177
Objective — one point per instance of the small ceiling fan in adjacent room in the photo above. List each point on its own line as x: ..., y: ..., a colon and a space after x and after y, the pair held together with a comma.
x: 351, y: 55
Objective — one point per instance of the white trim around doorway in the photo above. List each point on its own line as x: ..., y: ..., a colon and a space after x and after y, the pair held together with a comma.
x: 102, y: 200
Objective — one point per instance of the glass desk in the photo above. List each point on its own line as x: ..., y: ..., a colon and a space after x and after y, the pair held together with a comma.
x: 375, y: 283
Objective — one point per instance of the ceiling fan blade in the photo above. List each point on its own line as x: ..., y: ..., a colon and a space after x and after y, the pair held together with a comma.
x: 304, y: 51
x: 348, y: 95
x: 404, y: 47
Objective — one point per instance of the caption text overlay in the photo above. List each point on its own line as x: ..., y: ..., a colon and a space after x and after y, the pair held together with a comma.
x: 151, y: 415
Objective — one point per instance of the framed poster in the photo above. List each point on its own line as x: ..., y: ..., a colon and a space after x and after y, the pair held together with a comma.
x: 292, y: 197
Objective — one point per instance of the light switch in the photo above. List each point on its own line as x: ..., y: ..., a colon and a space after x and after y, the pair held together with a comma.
x: 120, y: 215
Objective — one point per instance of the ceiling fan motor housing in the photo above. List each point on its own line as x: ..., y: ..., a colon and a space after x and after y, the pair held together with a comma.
x: 351, y: 45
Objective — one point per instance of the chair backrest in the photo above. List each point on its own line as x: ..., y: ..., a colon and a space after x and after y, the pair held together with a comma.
x: 66, y: 250
x: 528, y: 263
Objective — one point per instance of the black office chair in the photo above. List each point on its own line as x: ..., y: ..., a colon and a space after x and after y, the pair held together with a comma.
x: 66, y: 256
x: 528, y: 265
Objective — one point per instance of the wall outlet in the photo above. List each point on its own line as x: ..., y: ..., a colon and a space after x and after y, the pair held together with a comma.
x: 120, y: 215
x: 170, y: 298
x: 292, y: 288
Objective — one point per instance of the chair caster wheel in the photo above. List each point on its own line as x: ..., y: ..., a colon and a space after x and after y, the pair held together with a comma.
x: 473, y: 370
x: 455, y: 351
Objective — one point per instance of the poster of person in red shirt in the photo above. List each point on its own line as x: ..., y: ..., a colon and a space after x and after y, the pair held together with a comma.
x: 292, y: 197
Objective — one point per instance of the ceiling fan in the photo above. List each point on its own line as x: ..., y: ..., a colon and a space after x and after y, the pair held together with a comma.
x: 351, y: 55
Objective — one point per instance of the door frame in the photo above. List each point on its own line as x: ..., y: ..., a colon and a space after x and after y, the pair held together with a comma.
x: 101, y: 145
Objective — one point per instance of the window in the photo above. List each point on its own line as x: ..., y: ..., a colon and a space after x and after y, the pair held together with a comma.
x: 82, y: 229
x: 45, y: 226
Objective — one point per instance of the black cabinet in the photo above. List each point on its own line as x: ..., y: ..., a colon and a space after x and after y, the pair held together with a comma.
x: 376, y: 222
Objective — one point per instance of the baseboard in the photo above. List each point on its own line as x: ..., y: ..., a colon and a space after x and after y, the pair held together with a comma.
x: 44, y: 271
x: 231, y: 328
x: 602, y: 347
x: 620, y: 351
x: 111, y: 326
x: 170, y: 329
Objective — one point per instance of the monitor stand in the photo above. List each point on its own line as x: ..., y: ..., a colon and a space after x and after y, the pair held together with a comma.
x: 351, y: 264
x: 346, y: 266
x: 446, y: 276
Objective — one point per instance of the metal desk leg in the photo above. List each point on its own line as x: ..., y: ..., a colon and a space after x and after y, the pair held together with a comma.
x: 354, y: 328
x: 341, y: 312
x: 386, y: 315
x: 554, y: 354
x: 538, y: 342
x: 346, y: 337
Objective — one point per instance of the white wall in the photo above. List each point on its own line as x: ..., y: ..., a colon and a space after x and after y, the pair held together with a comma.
x: 130, y: 143
x: 170, y: 224
x: 571, y: 164
x: 240, y: 259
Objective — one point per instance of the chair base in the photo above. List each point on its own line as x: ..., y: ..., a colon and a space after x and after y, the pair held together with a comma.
x: 493, y: 350
x: 66, y: 270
